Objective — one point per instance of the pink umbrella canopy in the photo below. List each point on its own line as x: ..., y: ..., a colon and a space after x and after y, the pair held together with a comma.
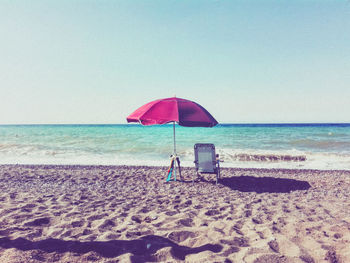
x: 184, y: 112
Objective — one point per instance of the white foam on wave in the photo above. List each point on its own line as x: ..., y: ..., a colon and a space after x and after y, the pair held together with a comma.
x: 290, y: 159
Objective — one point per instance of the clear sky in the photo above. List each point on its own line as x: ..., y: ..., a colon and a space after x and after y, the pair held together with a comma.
x: 70, y: 61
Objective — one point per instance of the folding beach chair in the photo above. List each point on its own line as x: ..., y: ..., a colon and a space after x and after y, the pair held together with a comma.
x: 206, y: 160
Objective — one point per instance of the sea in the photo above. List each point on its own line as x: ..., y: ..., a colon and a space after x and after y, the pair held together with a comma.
x: 292, y: 146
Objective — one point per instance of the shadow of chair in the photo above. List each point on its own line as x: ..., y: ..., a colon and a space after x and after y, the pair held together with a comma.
x: 144, y: 247
x: 264, y: 184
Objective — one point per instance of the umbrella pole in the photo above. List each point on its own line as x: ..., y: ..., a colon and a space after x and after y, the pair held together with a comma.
x: 174, y: 152
x: 174, y: 139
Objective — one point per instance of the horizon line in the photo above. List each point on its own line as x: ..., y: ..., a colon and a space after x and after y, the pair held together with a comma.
x: 131, y: 124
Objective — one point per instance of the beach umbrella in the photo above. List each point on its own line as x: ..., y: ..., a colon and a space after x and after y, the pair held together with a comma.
x: 173, y: 110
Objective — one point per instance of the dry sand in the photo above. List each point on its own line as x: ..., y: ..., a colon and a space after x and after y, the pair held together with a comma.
x: 130, y: 214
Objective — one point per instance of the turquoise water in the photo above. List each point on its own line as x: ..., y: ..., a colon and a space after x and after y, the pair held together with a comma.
x: 315, y: 146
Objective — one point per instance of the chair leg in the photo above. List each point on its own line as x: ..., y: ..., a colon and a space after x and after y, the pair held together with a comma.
x: 218, y: 170
x: 193, y: 177
x: 198, y: 176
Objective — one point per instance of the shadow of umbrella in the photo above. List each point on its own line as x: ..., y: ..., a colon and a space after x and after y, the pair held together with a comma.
x: 144, y: 247
x: 264, y: 184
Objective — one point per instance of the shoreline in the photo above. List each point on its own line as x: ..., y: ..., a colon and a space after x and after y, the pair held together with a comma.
x: 79, y: 213
x: 166, y: 167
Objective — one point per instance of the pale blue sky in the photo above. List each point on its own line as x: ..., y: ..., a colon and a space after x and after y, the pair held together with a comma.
x: 245, y: 61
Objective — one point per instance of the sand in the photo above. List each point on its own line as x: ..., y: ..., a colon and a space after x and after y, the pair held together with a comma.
x: 130, y: 214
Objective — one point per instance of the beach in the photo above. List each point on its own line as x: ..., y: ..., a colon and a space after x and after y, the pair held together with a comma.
x: 100, y: 100
x: 60, y: 213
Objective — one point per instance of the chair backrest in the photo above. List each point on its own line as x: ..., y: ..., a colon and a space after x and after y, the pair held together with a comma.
x: 205, y: 158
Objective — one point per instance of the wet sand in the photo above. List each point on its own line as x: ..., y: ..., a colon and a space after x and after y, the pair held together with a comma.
x: 130, y: 214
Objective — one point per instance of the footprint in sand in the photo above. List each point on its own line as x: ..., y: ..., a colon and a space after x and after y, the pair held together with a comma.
x: 230, y: 251
x: 72, y: 214
x: 307, y: 258
x: 212, y: 212
x: 38, y: 222
x: 96, y: 217
x: 42, y: 208
x: 237, y: 242
x: 171, y: 213
x: 267, y: 258
x: 248, y: 213
x: 180, y: 236
x: 57, y: 213
x: 27, y: 208
x: 136, y: 219
x: 18, y: 219
x: 257, y: 220
x: 66, y: 234
x: 78, y: 223
x: 198, y: 207
x: 113, y: 236
x: 56, y: 233
x: 237, y: 229
x: 187, y: 222
x: 106, y: 225
x: 34, y: 234
x: 87, y: 232
x: 274, y: 246
x: 144, y: 210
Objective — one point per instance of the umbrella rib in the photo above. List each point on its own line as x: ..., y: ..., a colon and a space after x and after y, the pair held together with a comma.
x: 178, y: 114
x: 140, y: 121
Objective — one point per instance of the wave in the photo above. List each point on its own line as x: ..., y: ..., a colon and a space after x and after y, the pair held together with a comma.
x: 243, y: 157
x: 321, y: 144
x: 231, y: 158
